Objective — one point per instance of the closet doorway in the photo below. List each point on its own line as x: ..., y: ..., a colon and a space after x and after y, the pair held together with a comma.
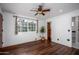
x: 49, y: 31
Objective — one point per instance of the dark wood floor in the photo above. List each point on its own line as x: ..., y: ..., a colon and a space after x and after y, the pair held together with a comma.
x: 39, y: 48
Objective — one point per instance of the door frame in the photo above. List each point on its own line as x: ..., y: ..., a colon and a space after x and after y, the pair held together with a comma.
x: 1, y: 30
x: 49, y: 31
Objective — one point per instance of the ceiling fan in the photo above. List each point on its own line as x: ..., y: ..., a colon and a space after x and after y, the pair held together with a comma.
x: 40, y: 10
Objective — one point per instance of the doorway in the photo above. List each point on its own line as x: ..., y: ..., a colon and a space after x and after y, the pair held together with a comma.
x: 49, y: 31
x: 1, y: 30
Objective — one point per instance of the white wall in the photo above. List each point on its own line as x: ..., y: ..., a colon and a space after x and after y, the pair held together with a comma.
x: 60, y: 25
x: 9, y: 36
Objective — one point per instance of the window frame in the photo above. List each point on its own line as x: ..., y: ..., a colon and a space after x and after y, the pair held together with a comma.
x: 33, y: 26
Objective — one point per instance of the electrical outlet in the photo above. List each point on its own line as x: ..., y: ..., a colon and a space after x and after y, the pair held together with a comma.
x: 68, y: 30
x: 68, y: 39
x: 58, y: 39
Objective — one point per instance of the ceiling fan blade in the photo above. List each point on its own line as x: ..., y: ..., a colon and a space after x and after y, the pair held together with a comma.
x: 46, y: 10
x: 43, y: 14
x: 33, y: 10
x: 36, y: 14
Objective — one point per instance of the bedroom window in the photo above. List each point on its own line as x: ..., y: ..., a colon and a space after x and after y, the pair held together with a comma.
x: 25, y: 25
x: 22, y: 26
x: 32, y: 26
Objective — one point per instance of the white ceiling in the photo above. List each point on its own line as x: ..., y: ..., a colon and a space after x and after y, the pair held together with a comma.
x: 24, y: 8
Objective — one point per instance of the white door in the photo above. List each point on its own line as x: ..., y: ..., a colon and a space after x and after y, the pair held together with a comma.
x: 75, y: 32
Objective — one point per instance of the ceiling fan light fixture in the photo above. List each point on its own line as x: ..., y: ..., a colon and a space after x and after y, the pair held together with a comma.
x: 41, y: 10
